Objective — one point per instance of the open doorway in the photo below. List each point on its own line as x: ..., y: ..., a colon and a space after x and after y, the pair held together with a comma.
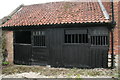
x: 22, y: 47
x: 23, y: 37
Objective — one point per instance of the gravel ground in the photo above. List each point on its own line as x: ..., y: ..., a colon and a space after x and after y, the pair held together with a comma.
x: 16, y: 71
x: 38, y: 75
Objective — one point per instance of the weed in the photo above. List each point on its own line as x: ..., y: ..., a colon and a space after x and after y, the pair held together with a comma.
x: 78, y: 76
x: 5, y: 63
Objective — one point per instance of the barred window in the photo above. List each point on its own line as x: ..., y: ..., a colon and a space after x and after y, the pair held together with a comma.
x: 99, y: 40
x: 76, y: 36
x: 39, y: 38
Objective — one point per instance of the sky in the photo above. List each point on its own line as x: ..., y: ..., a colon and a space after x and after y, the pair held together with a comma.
x: 7, y: 6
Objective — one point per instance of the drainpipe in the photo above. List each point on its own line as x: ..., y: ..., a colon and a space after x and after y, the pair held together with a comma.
x: 112, y: 36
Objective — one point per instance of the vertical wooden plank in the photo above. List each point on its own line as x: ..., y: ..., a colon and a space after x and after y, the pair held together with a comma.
x: 42, y: 42
x: 67, y: 39
x: 40, y: 38
x: 105, y: 40
x: 34, y: 41
x: 83, y: 38
x: 91, y: 40
x: 98, y: 52
x: 100, y: 58
x: 86, y: 38
x: 95, y: 41
x: 100, y: 40
x: 105, y: 58
x: 78, y: 38
x: 90, y: 55
x: 75, y: 38
x: 70, y: 38
x: 37, y: 40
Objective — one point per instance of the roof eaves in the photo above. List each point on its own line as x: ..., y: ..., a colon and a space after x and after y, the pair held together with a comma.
x: 28, y: 26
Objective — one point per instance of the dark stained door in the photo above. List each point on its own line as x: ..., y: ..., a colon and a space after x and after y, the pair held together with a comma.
x: 39, y: 48
x: 22, y: 53
x: 99, y: 47
x: 76, y: 48
x: 55, y: 46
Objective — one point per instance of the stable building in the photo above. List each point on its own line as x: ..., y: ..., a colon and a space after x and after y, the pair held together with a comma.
x: 60, y: 34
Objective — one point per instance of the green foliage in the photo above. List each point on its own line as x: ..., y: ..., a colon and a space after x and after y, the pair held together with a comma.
x: 5, y: 63
x: 69, y: 75
x: 78, y: 79
x: 93, y: 73
x: 78, y: 76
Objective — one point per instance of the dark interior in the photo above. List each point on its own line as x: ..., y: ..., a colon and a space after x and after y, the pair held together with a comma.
x: 22, y: 37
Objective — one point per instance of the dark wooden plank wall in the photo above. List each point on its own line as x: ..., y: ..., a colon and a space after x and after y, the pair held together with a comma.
x: 22, y: 54
x: 76, y: 55
x: 55, y: 46
x: 99, y: 57
x: 57, y: 53
x: 99, y: 47
x: 40, y: 52
x: 39, y: 56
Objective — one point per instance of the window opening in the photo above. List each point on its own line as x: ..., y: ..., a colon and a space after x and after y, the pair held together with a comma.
x: 39, y: 38
x: 23, y: 37
x: 75, y: 37
x: 99, y: 40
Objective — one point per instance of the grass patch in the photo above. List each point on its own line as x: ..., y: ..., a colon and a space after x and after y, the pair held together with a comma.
x: 5, y: 63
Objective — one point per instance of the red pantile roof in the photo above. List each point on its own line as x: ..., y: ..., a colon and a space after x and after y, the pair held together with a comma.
x: 107, y: 6
x: 57, y: 13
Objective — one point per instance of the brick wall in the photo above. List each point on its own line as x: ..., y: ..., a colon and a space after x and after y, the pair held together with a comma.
x: 119, y: 27
x: 9, y: 45
x: 119, y: 36
x: 116, y: 29
x: 116, y: 33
